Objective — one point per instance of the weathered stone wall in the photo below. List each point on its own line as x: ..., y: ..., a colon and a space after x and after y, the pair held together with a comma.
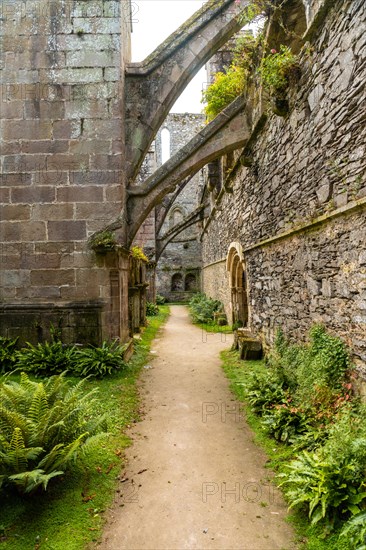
x: 306, y: 165
x: 61, y: 179
x: 183, y: 254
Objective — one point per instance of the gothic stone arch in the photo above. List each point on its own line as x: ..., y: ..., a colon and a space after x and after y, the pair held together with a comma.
x: 235, y: 266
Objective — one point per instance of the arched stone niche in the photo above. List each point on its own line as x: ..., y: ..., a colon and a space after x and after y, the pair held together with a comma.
x: 235, y: 266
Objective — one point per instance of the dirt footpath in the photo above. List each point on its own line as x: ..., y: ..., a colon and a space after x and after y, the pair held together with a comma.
x: 195, y: 479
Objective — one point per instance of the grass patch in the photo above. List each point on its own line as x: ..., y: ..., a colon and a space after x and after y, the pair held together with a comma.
x: 213, y: 327
x: 70, y: 514
x: 279, y: 454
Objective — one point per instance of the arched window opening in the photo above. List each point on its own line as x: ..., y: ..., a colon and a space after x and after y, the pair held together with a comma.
x: 177, y: 282
x: 239, y: 295
x: 190, y: 283
x: 165, y: 145
x: 176, y: 216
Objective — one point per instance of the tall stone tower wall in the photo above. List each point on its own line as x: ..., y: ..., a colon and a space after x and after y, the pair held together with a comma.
x: 62, y: 174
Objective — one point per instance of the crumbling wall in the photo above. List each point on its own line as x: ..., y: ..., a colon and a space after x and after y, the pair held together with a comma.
x: 299, y: 209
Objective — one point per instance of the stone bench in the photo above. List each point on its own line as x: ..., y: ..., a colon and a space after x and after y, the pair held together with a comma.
x: 249, y: 345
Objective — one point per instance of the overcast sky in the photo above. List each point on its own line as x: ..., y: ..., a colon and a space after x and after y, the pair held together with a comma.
x: 155, y: 20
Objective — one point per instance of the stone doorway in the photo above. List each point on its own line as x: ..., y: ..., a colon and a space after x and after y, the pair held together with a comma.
x: 235, y: 265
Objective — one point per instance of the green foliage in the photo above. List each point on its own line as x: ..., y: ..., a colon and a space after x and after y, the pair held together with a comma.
x: 355, y: 531
x: 277, y: 69
x: 46, y: 358
x: 25, y: 520
x: 138, y: 253
x: 202, y: 308
x: 7, y: 353
x: 160, y: 300
x: 99, y: 361
x: 263, y: 391
x: 229, y: 85
x: 225, y: 88
x: 304, y: 398
x: 331, y: 480
x: 286, y: 423
x: 103, y: 240
x: 44, y: 427
x: 151, y: 309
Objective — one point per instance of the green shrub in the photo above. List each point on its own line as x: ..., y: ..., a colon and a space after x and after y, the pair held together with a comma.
x: 277, y: 69
x: 202, y: 308
x: 44, y: 427
x: 225, y: 88
x: 232, y: 83
x: 151, y: 309
x: 99, y: 361
x: 331, y: 480
x: 355, y: 531
x: 264, y: 391
x: 7, y: 353
x: 46, y: 358
x: 160, y: 300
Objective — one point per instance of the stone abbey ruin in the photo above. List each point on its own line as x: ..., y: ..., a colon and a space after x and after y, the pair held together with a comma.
x: 263, y: 212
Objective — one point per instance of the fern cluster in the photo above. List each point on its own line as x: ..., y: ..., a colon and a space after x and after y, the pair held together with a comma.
x: 305, y: 399
x: 44, y: 428
x: 51, y: 358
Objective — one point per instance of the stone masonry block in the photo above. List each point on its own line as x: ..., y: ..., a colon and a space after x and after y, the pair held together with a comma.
x: 72, y: 75
x: 86, y: 109
x: 91, y: 58
x: 45, y: 146
x: 15, y: 212
x: 100, y: 25
x: 33, y: 195
x: 26, y: 129
x: 66, y: 230
x: 46, y: 277
x: 44, y: 109
x: 63, y: 211
x: 80, y: 194
x: 40, y: 261
x: 66, y: 129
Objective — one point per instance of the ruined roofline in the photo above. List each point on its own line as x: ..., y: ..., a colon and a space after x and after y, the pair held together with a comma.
x: 179, y: 37
x: 198, y: 140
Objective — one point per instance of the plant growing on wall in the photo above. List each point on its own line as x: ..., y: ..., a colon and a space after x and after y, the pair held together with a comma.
x: 103, y: 241
x: 138, y: 253
x: 228, y: 85
x: 277, y: 70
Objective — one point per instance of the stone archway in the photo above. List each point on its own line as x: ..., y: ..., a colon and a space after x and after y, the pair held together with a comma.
x: 235, y: 265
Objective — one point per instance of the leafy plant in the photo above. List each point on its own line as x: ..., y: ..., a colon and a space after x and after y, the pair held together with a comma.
x: 355, y: 531
x: 277, y: 69
x: 160, y: 300
x: 331, y: 480
x: 228, y: 85
x: 286, y: 423
x: 103, y: 240
x: 46, y: 359
x: 202, y: 308
x: 99, y: 361
x: 138, y: 253
x: 44, y: 427
x: 264, y: 391
x: 151, y: 309
x: 7, y: 353
x: 225, y: 88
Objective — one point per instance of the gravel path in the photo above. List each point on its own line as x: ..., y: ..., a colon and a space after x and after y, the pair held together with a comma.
x: 195, y: 478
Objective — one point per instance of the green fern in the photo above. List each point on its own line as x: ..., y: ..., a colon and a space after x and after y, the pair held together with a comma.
x: 44, y: 428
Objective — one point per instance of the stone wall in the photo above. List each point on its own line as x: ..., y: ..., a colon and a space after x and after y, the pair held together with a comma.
x: 62, y: 166
x: 307, y: 171
x: 182, y: 255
